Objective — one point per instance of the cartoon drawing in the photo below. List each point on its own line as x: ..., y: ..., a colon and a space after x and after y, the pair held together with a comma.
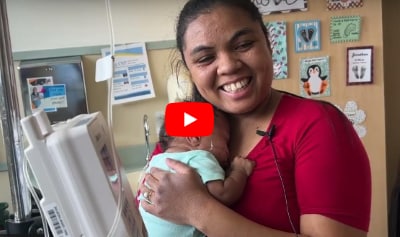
x: 315, y: 83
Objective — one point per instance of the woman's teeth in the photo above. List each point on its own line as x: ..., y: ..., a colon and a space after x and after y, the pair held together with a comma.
x: 234, y: 87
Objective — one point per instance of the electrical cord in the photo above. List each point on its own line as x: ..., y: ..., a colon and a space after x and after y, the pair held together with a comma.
x: 35, y: 196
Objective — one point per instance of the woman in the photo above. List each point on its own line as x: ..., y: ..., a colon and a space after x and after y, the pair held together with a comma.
x: 312, y: 175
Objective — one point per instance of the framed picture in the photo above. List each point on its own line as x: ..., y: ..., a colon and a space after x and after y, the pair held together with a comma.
x: 315, y: 77
x: 359, y: 65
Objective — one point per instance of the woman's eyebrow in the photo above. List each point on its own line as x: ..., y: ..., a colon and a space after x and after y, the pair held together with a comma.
x: 240, y: 33
x: 235, y: 36
x: 199, y: 49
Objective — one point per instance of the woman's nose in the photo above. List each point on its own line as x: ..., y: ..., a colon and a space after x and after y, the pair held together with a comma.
x: 228, y: 62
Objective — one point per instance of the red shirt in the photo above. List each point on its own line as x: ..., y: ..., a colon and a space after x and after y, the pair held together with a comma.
x: 322, y: 162
x: 323, y: 165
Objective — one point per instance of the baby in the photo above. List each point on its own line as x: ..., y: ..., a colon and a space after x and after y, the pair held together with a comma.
x: 208, y: 155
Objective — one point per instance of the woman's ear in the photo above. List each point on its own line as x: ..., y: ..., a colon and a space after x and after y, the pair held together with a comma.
x: 193, y: 141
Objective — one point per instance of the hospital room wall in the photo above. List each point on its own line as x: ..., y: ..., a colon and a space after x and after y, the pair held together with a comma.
x: 127, y: 118
x: 370, y: 98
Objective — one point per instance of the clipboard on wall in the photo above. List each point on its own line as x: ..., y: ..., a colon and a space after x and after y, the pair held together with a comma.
x: 55, y: 85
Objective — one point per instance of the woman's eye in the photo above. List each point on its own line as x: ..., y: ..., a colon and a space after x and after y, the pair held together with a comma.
x: 244, y: 45
x: 205, y: 59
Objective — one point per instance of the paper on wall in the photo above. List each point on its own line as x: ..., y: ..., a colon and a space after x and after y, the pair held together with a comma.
x: 132, y: 79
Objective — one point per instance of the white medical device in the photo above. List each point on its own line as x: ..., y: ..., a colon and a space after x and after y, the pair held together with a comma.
x: 74, y: 167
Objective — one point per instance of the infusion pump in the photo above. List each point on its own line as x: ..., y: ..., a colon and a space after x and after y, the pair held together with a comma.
x: 74, y: 168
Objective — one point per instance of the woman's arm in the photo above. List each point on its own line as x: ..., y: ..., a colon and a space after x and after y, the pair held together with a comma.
x: 182, y: 198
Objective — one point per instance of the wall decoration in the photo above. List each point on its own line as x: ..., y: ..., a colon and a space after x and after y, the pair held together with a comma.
x: 132, y: 80
x: 356, y: 116
x: 345, y: 28
x: 343, y: 4
x: 314, y: 77
x: 307, y: 35
x: 45, y: 95
x: 280, y: 6
x: 277, y: 37
x: 359, y: 65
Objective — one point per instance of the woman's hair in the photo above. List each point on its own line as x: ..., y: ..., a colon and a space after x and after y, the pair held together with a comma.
x: 195, y: 8
x: 163, y: 138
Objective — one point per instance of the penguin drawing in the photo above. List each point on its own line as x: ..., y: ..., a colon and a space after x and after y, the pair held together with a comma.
x: 314, y: 84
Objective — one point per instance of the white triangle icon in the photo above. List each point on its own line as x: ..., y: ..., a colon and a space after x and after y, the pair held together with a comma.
x: 188, y: 119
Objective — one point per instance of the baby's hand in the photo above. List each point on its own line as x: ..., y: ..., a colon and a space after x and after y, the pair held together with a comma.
x: 243, y: 164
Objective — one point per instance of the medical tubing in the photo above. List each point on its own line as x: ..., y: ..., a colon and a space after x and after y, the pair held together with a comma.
x: 35, y: 196
x: 117, y: 216
x: 110, y: 27
x: 116, y: 164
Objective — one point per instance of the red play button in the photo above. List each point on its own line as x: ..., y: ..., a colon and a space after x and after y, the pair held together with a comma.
x: 189, y: 119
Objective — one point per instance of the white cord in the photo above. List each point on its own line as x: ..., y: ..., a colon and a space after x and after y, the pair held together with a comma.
x: 35, y: 196
x: 110, y: 27
x: 117, y: 217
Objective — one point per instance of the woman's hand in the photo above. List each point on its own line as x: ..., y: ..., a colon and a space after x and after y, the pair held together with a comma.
x: 174, y: 196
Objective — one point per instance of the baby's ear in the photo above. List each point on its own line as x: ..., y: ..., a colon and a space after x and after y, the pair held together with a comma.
x: 193, y: 141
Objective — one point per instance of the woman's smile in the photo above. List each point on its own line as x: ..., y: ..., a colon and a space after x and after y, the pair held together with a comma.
x: 235, y: 87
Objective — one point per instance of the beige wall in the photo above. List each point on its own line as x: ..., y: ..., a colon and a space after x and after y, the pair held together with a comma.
x: 5, y: 194
x: 128, y: 117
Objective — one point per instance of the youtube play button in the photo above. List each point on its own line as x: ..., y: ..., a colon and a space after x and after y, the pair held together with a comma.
x: 189, y: 119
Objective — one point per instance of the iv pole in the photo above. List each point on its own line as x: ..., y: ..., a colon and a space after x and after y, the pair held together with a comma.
x: 22, y: 224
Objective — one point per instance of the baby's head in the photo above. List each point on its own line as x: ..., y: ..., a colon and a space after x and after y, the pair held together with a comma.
x: 216, y: 143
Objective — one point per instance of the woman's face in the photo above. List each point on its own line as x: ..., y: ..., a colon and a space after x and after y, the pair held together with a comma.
x: 229, y: 59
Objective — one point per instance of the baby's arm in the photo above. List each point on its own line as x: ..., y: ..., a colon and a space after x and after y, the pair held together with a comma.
x: 229, y: 190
